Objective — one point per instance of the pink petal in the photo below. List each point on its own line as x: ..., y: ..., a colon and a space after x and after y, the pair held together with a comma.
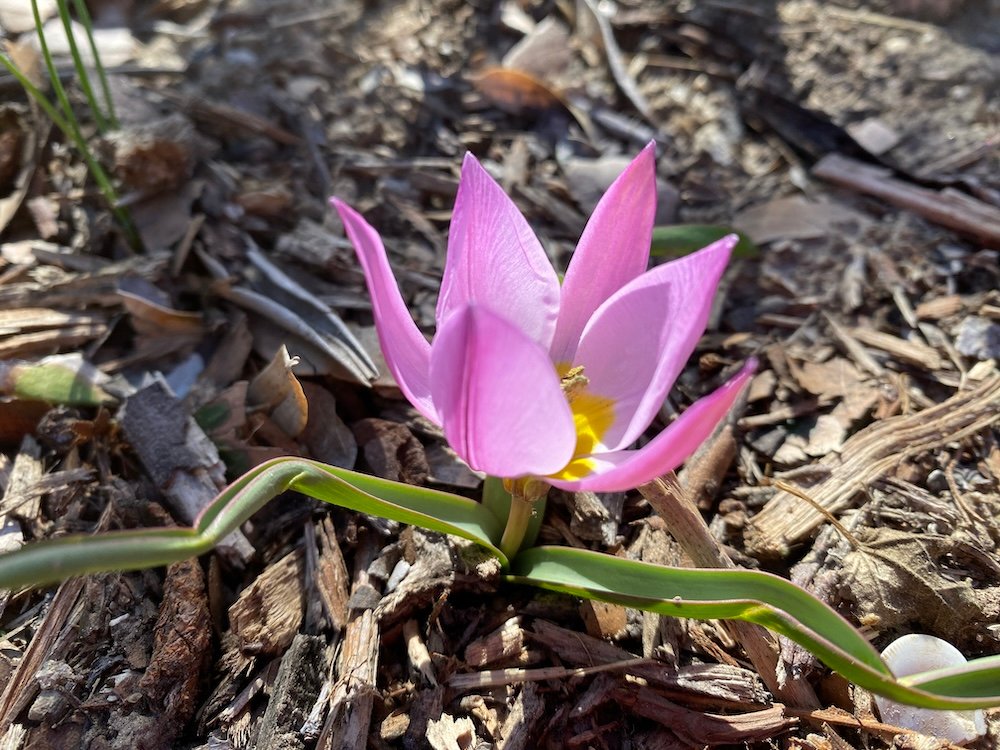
x: 638, y: 341
x: 495, y: 261
x: 500, y: 400
x: 406, y: 350
x: 613, y: 250
x: 624, y: 470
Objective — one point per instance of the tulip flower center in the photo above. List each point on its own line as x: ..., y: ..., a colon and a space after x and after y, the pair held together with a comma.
x: 592, y: 416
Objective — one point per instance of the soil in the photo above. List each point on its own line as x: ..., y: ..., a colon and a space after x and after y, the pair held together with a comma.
x: 856, y: 143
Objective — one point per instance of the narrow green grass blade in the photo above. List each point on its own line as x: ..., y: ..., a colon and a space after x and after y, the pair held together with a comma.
x: 755, y: 597
x: 55, y: 560
x: 81, y: 70
x: 68, y: 124
x: 675, y: 240
x: 84, y: 15
x: 50, y: 65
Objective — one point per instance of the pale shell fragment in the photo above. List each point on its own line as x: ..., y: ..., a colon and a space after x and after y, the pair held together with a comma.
x: 919, y: 653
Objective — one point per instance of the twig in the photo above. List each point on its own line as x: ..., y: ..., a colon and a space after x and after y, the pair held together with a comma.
x: 947, y: 207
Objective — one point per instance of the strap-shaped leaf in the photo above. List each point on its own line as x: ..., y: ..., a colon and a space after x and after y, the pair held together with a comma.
x: 55, y: 560
x: 762, y: 598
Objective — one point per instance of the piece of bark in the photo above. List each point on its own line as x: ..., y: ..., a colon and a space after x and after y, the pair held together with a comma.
x: 595, y: 517
x: 911, y: 352
x: 449, y: 733
x: 867, y: 456
x: 391, y: 451
x: 947, y: 207
x: 23, y: 495
x: 329, y: 440
x: 21, y: 688
x: 295, y: 688
x: 519, y: 726
x: 504, y: 645
x: 331, y: 575
x: 181, y: 649
x: 700, y: 729
x: 179, y: 458
x: 353, y: 697
x: 427, y: 706
x: 268, y: 613
x: 417, y: 653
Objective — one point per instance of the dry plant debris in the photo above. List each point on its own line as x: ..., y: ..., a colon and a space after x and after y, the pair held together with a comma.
x: 855, y: 143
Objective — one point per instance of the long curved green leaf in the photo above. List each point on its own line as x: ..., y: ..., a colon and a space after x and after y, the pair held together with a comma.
x: 675, y: 240
x: 55, y: 560
x: 762, y: 598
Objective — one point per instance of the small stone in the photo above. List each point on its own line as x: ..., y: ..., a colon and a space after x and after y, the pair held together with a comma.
x: 978, y: 338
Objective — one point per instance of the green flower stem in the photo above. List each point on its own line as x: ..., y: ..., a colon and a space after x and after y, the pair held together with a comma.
x: 526, y: 496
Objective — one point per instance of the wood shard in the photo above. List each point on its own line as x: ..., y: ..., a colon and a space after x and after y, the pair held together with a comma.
x: 701, y: 729
x: 503, y: 645
x: 179, y: 457
x: 295, y: 688
x: 181, y: 646
x: 911, y: 352
x: 268, y: 613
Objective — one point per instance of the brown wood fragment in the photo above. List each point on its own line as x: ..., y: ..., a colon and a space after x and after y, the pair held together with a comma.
x: 857, y: 352
x: 504, y: 645
x: 295, y: 688
x: 353, y: 697
x: 391, y: 451
x: 700, y: 729
x: 604, y: 620
x: 427, y: 706
x: 869, y: 455
x: 519, y: 726
x: 496, y: 677
x: 940, y: 307
x: 332, y: 575
x: 947, y: 207
x: 596, y: 517
x: 182, y: 645
x: 268, y: 613
x: 23, y: 495
x: 219, y: 114
x: 417, y: 653
x: 911, y: 352
x: 21, y: 687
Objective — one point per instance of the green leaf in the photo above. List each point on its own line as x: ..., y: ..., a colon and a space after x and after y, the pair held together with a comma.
x: 55, y: 560
x: 58, y: 379
x: 211, y: 417
x: 676, y: 240
x: 761, y: 598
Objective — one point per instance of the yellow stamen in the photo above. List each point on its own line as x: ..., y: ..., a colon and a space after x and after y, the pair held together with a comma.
x: 592, y: 416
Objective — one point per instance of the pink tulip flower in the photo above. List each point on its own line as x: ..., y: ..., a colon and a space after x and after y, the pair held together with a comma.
x: 530, y: 378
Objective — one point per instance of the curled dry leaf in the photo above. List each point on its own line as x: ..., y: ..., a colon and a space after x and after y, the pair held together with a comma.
x: 276, y: 390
